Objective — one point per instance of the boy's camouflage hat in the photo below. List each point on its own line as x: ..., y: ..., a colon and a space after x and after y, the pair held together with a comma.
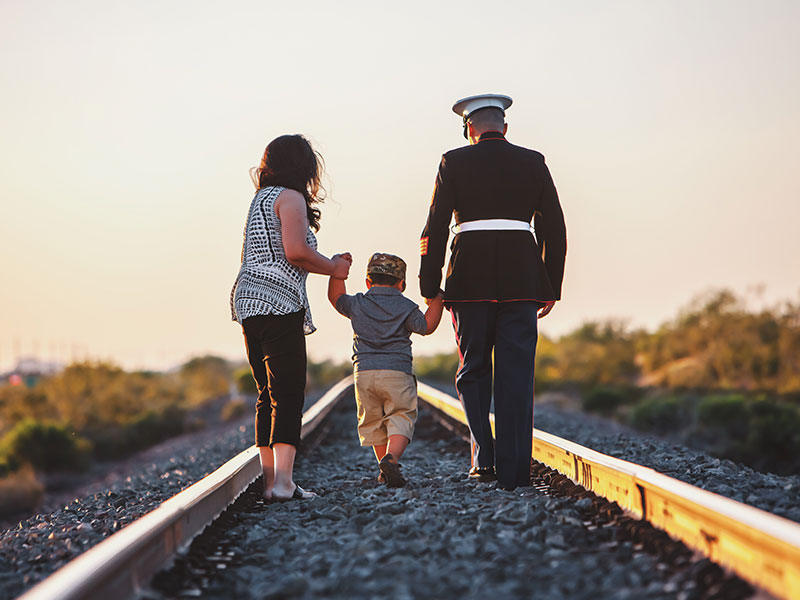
x: 387, y: 264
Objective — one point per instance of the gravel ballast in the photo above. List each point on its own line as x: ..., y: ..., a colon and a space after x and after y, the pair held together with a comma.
x: 774, y: 493
x: 442, y: 536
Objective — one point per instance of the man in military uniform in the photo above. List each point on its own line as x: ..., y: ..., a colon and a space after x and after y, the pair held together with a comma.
x: 502, y: 277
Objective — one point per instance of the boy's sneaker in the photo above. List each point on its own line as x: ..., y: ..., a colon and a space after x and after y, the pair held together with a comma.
x: 391, y: 472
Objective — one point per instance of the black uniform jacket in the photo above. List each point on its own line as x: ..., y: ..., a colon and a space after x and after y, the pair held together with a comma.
x: 494, y: 179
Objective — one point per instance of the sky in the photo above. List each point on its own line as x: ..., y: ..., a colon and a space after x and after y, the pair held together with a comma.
x: 671, y: 129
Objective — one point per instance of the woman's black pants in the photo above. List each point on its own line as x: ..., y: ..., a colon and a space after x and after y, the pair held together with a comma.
x: 276, y: 349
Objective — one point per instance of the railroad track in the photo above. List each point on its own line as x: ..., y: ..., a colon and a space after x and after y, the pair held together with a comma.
x: 760, y: 547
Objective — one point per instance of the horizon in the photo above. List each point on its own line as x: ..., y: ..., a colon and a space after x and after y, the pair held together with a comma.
x: 126, y: 148
x: 752, y: 302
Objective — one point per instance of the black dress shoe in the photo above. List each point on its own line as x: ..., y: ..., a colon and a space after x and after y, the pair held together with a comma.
x: 483, y: 474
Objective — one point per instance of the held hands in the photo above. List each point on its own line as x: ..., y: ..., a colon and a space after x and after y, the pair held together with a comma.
x: 439, y: 296
x: 341, y: 265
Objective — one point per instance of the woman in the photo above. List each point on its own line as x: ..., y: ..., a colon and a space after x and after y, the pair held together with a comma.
x: 269, y: 300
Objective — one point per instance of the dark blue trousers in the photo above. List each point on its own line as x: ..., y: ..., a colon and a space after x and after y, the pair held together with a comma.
x: 510, y: 330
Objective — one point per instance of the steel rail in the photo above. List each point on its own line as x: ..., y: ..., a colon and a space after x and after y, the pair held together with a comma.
x: 120, y: 566
x: 759, y: 546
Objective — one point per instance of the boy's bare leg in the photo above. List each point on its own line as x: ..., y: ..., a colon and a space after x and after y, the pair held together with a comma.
x: 268, y: 467
x: 380, y: 451
x: 397, y: 445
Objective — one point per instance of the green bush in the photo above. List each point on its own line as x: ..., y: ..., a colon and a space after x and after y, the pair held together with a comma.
x: 759, y: 431
x: 243, y: 378
x: 727, y: 414
x: 144, y: 430
x: 45, y: 447
x: 234, y: 409
x: 18, y: 403
x: 19, y: 492
x: 722, y: 426
x: 204, y: 379
x: 607, y: 400
x: 439, y: 367
x: 774, y: 436
x: 327, y: 373
x: 154, y: 426
x: 662, y: 414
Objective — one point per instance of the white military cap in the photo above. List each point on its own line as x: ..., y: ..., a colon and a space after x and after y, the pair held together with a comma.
x: 466, y: 106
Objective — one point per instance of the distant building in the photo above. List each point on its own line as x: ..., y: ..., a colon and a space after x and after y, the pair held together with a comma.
x: 30, y: 369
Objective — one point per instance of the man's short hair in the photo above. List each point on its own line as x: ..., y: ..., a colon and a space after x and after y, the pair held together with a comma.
x: 488, y: 117
x: 382, y: 279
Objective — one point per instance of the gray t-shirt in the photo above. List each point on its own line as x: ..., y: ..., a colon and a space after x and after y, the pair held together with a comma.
x: 382, y: 320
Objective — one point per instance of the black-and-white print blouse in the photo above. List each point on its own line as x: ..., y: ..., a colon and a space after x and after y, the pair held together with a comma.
x: 267, y: 283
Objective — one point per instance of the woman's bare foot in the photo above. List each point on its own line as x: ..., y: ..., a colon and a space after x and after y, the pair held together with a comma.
x: 297, y: 493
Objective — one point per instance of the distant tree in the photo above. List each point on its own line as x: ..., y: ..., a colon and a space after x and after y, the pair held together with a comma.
x: 787, y: 355
x: 243, y: 378
x: 598, y: 352
x: 324, y: 374
x: 205, y: 378
x: 717, y: 343
x: 18, y: 403
x: 439, y: 367
x: 549, y: 369
x: 91, y: 395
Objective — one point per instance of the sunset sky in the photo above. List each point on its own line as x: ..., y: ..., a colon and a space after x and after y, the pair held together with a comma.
x: 671, y: 128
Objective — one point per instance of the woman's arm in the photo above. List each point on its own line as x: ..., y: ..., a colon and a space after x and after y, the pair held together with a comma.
x: 291, y: 210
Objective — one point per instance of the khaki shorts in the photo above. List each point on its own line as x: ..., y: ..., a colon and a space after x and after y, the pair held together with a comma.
x: 387, y: 405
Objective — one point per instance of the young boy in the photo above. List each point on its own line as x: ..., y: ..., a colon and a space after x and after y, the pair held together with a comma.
x: 386, y: 391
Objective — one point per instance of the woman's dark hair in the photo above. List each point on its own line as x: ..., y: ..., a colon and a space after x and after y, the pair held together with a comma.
x: 290, y: 161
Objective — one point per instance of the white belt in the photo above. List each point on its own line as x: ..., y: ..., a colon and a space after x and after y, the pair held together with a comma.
x: 493, y: 225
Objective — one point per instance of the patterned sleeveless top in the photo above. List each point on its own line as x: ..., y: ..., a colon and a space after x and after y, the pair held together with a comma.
x: 267, y: 283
